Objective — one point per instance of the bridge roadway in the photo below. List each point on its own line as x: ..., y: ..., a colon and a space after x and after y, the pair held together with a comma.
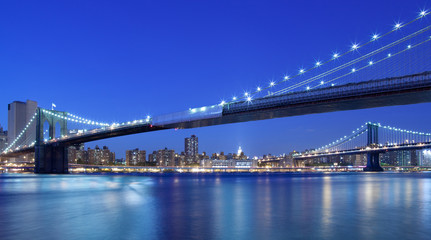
x: 403, y: 90
x: 377, y: 149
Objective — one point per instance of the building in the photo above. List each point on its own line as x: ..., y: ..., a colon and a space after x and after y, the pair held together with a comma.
x: 191, y: 146
x: 76, y: 154
x: 19, y: 114
x: 165, y: 158
x: 230, y: 163
x: 136, y: 157
x: 96, y: 156
x: 3, y: 139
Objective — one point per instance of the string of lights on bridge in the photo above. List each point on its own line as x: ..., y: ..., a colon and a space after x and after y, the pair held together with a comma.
x: 359, y: 59
x: 21, y: 133
x: 248, y: 96
x: 363, y: 129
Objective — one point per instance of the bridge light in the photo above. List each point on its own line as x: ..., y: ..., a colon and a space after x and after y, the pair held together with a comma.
x: 301, y: 71
x: 271, y: 84
x: 332, y: 85
x: 193, y: 110
x: 234, y: 98
x: 353, y: 70
x: 318, y: 63
x: 248, y: 99
x: 222, y: 103
x: 335, y: 55
x: 355, y: 46
x: 322, y: 82
x: 258, y: 89
x: 286, y: 77
x: 397, y: 26
x: 203, y: 109
x: 308, y: 88
x: 246, y: 94
x: 370, y: 62
x: 389, y: 55
x: 409, y: 46
x: 375, y: 37
x: 423, y: 13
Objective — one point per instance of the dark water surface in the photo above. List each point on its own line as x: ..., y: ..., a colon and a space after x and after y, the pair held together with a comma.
x: 216, y: 206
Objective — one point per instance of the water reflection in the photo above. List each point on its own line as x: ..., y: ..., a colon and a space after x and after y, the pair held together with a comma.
x: 218, y: 206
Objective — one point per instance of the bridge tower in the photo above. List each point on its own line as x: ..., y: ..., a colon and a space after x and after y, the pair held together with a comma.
x: 50, y: 158
x: 373, y: 163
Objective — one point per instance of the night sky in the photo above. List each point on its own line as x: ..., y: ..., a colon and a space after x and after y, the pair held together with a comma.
x: 116, y: 61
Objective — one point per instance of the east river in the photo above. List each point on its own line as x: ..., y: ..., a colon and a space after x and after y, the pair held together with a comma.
x: 216, y: 206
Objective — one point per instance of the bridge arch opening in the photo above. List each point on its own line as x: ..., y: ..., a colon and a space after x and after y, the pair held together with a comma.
x: 57, y: 130
x: 46, y: 131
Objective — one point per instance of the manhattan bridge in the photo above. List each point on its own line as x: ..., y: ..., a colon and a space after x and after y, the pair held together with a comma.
x: 384, y: 69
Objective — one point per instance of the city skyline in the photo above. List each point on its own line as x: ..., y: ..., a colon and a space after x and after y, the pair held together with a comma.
x: 83, y: 86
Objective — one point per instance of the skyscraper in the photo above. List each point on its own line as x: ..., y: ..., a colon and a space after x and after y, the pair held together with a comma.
x: 191, y: 146
x: 19, y: 114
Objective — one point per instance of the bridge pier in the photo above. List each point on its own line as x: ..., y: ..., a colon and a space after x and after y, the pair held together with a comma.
x: 51, y: 159
x: 373, y: 163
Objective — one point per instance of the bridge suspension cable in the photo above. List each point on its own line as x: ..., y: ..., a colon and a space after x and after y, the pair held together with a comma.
x: 354, y: 61
x: 387, y: 136
x: 355, y: 70
x: 248, y: 95
x: 21, y: 134
x: 358, y: 132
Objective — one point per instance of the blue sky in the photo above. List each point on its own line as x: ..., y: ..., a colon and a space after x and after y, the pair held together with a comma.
x: 121, y: 60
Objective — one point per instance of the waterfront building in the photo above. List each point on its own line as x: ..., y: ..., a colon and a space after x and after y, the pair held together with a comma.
x: 96, y: 156
x: 3, y: 139
x: 230, y: 163
x: 136, y: 157
x: 191, y: 149
x: 152, y: 158
x: 165, y: 158
x: 19, y: 114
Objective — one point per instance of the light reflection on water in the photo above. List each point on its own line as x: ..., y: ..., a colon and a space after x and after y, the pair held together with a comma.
x: 216, y: 206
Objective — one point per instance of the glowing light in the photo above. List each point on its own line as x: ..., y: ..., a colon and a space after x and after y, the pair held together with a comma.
x: 335, y: 55
x: 308, y: 88
x: 397, y: 26
x: 353, y: 70
x: 222, y: 103
x: 248, y: 99
x: 322, y: 82
x: 234, y: 98
x: 246, y: 94
x: 301, y: 70
x: 203, y: 109
x: 370, y: 62
x: 409, y: 46
x: 355, y: 46
x: 375, y: 37
x: 423, y: 13
x: 286, y: 77
x: 193, y: 110
x: 259, y: 89
x: 318, y: 63
x: 271, y: 84
x: 389, y: 55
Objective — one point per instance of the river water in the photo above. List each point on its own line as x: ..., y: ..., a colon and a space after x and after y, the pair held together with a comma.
x: 216, y: 206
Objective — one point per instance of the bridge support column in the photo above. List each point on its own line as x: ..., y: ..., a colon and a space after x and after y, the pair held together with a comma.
x: 51, y: 159
x: 373, y: 163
